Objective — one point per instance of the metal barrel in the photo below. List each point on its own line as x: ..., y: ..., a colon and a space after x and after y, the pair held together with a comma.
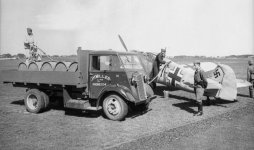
x: 48, y: 66
x: 73, y: 67
x: 22, y: 66
x: 61, y: 66
x: 33, y: 66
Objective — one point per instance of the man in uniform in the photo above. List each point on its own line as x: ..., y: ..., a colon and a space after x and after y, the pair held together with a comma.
x: 30, y: 45
x: 156, y: 65
x: 250, y: 76
x: 200, y: 83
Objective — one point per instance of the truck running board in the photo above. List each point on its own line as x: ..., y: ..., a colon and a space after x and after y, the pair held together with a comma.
x: 80, y: 104
x: 76, y: 103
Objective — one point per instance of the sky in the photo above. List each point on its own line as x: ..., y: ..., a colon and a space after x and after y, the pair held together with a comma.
x: 183, y: 27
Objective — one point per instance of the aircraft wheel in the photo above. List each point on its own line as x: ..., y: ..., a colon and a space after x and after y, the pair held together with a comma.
x: 34, y: 101
x: 115, y: 108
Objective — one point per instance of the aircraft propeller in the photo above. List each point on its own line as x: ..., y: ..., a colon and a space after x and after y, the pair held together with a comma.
x: 121, y: 40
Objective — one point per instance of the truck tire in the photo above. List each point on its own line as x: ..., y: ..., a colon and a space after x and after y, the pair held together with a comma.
x: 34, y: 101
x: 115, y: 108
x: 45, y: 99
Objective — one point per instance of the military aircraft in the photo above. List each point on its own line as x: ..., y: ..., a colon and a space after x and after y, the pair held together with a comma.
x: 222, y: 81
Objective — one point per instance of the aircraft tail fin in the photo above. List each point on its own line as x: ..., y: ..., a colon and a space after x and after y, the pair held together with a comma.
x: 228, y: 82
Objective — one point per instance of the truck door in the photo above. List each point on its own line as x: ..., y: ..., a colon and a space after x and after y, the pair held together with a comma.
x: 98, y: 76
x: 105, y: 70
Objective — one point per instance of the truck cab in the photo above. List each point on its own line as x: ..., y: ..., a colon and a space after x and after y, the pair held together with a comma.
x: 115, y: 80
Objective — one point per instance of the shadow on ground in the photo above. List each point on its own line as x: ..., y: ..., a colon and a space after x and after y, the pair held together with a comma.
x: 18, y: 102
x: 189, y: 103
x: 81, y: 113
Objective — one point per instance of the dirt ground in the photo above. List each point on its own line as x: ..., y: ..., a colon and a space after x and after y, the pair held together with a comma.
x: 59, y: 128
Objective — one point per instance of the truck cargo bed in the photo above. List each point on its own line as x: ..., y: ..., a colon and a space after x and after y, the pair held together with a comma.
x: 39, y: 77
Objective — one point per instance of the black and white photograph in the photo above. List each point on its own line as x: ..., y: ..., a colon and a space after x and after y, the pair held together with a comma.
x: 126, y: 74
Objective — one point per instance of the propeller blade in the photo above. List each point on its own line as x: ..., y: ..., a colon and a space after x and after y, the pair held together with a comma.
x: 121, y: 40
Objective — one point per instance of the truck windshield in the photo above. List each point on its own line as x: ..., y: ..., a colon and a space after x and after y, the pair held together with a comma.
x: 131, y: 62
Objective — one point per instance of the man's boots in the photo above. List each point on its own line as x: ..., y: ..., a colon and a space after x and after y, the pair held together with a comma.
x: 251, y: 93
x: 200, y: 109
x: 208, y: 101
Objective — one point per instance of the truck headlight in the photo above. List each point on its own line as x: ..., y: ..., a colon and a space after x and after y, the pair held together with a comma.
x: 133, y: 81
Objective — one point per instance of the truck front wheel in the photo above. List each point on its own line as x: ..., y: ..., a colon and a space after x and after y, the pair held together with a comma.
x: 34, y: 101
x: 115, y: 108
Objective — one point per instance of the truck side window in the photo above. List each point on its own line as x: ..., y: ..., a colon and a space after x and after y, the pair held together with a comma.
x: 100, y: 63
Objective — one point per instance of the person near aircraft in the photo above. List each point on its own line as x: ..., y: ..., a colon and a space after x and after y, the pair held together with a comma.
x: 200, y: 83
x: 156, y: 66
x: 29, y: 44
x: 250, y: 76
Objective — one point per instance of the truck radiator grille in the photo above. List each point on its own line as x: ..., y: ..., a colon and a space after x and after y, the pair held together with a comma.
x: 141, y: 87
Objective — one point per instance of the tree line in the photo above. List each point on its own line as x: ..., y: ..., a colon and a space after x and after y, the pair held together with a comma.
x: 23, y: 56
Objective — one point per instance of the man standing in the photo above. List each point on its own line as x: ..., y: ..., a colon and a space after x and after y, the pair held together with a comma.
x: 30, y: 45
x: 250, y: 76
x: 156, y: 65
x: 200, y: 83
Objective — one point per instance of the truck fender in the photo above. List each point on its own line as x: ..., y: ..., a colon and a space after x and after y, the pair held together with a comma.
x: 118, y: 89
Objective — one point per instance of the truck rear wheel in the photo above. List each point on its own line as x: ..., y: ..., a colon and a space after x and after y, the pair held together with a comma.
x: 46, y: 99
x: 115, y: 108
x: 34, y: 101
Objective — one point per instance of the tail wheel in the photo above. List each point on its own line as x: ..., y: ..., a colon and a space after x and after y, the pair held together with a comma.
x: 46, y: 99
x: 115, y: 108
x: 34, y: 101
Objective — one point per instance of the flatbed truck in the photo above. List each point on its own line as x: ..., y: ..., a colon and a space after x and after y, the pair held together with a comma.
x: 108, y: 80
